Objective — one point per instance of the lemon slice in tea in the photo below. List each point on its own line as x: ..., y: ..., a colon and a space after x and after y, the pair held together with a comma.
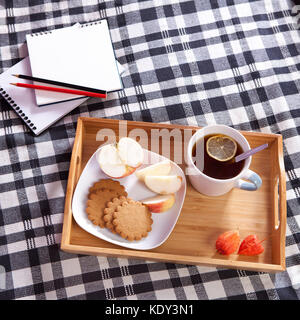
x: 221, y: 147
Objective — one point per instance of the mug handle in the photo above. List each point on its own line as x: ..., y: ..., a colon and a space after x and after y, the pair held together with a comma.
x: 254, y: 184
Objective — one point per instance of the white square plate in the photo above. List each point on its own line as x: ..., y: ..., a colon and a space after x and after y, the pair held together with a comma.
x: 163, y: 223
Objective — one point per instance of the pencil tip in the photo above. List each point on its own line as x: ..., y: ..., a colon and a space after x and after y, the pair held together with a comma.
x: 13, y: 84
x: 15, y: 75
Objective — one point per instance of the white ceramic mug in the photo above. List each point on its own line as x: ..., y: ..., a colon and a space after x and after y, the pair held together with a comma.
x: 216, y: 187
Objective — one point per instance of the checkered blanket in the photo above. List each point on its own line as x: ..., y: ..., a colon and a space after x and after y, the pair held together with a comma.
x: 233, y: 62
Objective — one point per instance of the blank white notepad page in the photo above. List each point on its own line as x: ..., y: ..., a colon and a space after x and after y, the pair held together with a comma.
x: 81, y: 56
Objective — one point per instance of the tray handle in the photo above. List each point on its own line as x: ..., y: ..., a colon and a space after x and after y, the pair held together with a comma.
x: 279, y: 233
x: 75, y: 164
x: 280, y: 221
x: 77, y: 169
x: 277, y: 217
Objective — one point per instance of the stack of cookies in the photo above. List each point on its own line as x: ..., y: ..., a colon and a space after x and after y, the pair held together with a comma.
x: 109, y: 207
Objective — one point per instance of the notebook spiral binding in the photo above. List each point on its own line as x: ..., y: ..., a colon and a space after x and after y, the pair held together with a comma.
x: 90, y: 24
x: 17, y: 109
x: 49, y: 32
x: 40, y: 33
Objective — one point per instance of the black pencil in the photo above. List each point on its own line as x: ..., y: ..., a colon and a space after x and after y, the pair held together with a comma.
x: 58, y: 83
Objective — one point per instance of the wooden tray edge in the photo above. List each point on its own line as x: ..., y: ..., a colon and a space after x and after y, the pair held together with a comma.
x: 167, y: 125
x: 67, y: 220
x: 282, y: 199
x: 170, y: 258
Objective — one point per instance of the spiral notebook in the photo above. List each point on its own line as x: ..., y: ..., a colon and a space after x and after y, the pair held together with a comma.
x: 23, y: 100
x: 81, y: 55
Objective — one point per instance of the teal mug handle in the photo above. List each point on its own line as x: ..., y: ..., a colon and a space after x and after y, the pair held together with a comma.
x: 254, y: 183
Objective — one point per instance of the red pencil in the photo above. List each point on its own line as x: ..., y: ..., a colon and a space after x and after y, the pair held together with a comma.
x: 71, y: 91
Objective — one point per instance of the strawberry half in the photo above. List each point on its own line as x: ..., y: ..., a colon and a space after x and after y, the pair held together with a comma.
x: 251, y: 246
x: 228, y: 242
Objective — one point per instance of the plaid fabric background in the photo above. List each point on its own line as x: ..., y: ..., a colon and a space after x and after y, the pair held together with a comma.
x: 233, y: 62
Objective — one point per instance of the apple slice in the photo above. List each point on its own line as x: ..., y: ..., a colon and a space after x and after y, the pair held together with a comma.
x: 163, y: 184
x: 160, y: 203
x: 116, y: 162
x: 162, y: 168
x: 110, y: 162
x: 130, y: 152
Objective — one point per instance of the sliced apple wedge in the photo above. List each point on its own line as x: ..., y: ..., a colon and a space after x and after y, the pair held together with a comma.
x: 130, y: 152
x: 160, y: 203
x: 116, y: 162
x: 110, y: 162
x: 163, y: 184
x: 162, y: 168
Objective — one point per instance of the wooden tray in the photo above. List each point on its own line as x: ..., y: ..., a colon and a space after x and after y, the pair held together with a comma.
x: 202, y: 218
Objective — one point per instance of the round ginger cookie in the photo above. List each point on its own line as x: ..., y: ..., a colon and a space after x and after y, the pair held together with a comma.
x: 109, y: 211
x: 132, y: 220
x: 108, y: 184
x: 97, y: 203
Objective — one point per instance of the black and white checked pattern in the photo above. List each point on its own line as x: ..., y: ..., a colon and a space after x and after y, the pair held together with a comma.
x: 234, y: 62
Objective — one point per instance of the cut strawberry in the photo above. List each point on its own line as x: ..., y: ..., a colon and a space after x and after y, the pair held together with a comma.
x: 251, y: 246
x: 228, y: 242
